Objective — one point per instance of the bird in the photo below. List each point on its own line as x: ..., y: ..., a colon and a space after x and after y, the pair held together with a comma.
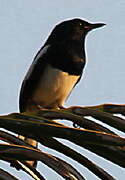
x: 56, y: 68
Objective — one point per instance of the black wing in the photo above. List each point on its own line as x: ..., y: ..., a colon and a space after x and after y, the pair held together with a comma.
x: 32, y: 77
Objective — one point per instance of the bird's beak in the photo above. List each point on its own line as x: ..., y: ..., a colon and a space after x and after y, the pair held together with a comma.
x: 94, y: 26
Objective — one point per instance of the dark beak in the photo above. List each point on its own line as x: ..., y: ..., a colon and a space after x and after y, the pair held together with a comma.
x: 98, y: 25
x: 94, y: 26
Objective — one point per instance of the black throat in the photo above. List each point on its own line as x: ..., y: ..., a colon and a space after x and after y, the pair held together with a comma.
x: 68, y: 56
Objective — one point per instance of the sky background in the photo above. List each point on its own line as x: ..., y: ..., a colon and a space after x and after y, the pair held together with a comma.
x: 24, y: 27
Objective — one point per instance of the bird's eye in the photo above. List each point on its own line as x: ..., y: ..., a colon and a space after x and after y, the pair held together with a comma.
x: 80, y: 24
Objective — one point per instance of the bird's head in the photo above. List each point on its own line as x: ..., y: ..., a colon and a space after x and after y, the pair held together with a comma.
x: 72, y: 29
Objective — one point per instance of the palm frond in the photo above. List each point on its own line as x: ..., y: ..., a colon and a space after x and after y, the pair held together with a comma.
x: 42, y: 127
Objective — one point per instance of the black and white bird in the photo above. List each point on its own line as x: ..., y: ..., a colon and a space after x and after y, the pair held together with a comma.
x: 57, y: 67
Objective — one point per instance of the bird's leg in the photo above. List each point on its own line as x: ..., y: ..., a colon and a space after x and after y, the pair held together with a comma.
x: 61, y: 107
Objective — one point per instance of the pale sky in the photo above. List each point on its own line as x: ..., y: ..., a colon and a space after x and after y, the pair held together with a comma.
x: 24, y: 26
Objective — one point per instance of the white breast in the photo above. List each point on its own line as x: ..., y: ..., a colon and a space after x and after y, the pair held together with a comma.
x: 54, y: 87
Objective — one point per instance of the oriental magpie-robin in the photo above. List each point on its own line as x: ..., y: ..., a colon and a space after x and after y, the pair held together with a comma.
x: 57, y: 67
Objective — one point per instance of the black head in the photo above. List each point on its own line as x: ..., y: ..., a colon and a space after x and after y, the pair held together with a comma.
x: 72, y: 29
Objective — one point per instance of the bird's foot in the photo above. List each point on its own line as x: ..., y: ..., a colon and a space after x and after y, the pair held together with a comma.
x: 50, y: 107
x: 42, y: 108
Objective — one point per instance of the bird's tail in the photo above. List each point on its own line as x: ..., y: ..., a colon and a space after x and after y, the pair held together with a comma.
x: 33, y: 143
